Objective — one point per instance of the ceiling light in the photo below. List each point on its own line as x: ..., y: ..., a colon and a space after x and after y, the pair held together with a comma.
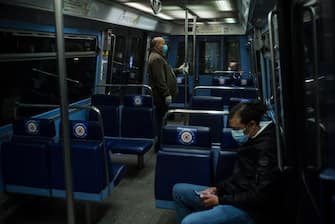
x: 206, y: 14
x: 179, y: 14
x: 223, y: 5
x: 230, y: 20
x: 171, y: 8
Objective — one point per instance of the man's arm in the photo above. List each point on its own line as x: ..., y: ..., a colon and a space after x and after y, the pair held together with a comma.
x: 266, y: 177
x: 158, y: 75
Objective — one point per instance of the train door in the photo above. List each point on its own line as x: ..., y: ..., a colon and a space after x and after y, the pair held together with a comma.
x: 307, y: 75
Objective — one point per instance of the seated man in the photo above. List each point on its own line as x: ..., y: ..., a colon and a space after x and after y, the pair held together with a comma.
x: 250, y: 194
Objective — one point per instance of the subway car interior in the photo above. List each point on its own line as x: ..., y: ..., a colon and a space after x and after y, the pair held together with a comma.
x: 78, y: 120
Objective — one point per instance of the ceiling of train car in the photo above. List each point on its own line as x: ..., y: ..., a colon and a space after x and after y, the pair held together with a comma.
x: 209, y: 11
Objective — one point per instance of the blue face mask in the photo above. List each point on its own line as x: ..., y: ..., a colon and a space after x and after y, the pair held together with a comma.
x: 165, y: 49
x: 239, y: 136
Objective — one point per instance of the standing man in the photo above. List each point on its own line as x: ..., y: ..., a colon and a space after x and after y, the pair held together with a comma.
x: 162, y: 81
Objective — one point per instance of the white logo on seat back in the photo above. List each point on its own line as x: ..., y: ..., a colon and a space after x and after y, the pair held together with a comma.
x: 80, y: 130
x: 186, y: 136
x: 138, y: 100
x: 32, y: 127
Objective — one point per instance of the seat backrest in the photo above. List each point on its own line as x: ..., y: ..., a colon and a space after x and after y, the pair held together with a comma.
x: 88, y: 158
x: 192, y: 137
x: 137, y: 117
x: 214, y: 122
x: 85, y: 130
x: 33, y: 130
x: 25, y: 158
x: 110, y: 107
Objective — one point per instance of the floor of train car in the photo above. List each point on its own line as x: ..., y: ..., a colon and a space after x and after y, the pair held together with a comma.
x: 132, y: 201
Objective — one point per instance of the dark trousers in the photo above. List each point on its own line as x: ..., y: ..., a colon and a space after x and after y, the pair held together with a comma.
x: 160, y: 112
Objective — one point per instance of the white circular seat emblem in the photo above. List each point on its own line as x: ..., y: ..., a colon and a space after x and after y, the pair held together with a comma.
x: 138, y: 100
x: 80, y: 130
x: 32, y: 127
x: 186, y: 137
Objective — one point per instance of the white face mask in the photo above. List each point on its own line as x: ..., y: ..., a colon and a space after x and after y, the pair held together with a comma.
x: 239, y: 136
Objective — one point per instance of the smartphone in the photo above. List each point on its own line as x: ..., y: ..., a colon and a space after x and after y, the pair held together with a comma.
x: 197, y: 192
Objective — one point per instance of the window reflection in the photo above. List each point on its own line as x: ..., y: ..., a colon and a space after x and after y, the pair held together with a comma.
x: 21, y: 84
x: 209, y: 57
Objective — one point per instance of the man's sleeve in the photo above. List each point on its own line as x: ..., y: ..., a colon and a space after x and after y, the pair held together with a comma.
x: 266, y: 176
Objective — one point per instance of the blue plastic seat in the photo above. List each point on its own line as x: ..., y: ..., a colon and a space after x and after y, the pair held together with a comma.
x: 26, y: 157
x: 110, y: 108
x: 215, y: 122
x: 89, y: 161
x: 137, y: 127
x: 185, y: 156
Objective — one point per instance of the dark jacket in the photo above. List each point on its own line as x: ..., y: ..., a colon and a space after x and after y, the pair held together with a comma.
x: 161, y: 78
x: 255, y: 183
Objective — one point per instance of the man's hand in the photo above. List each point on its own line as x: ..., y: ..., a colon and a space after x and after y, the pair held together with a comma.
x: 168, y: 100
x: 183, y: 68
x: 209, y: 199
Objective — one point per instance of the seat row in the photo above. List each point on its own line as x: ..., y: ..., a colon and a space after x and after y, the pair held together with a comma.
x: 32, y: 160
x: 186, y: 156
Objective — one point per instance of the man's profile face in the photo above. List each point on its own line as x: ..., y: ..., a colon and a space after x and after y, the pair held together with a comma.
x: 160, y: 44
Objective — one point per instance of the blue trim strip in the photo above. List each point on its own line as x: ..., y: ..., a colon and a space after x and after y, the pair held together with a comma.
x: 165, y: 204
x: 328, y: 174
x: 28, y: 190
x: 82, y: 195
x: 43, y: 28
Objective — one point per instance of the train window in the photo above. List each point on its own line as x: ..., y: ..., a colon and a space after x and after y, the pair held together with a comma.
x: 181, y: 54
x: 209, y: 57
x: 232, y: 52
x: 29, y: 59
x: 13, y: 42
x: 24, y: 82
x: 120, y: 49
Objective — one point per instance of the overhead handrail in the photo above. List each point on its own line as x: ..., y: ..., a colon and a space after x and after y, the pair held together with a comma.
x: 100, y: 120
x: 127, y: 85
x: 54, y: 75
x: 227, y: 72
x: 192, y: 111
x: 224, y: 88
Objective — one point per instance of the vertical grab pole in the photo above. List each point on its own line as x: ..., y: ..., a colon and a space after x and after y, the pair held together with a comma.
x: 311, y: 10
x: 274, y: 87
x: 186, y: 57
x: 195, y: 74
x: 113, y: 55
x: 58, y: 6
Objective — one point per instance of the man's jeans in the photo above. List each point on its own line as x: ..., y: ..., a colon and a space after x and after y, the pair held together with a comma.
x: 190, y: 210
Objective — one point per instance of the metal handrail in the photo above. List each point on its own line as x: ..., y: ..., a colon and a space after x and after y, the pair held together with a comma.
x: 100, y: 120
x: 224, y: 88
x: 228, y: 72
x: 59, y: 20
x: 191, y: 111
x: 274, y: 87
x: 113, y: 56
x: 311, y: 10
x: 127, y: 85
